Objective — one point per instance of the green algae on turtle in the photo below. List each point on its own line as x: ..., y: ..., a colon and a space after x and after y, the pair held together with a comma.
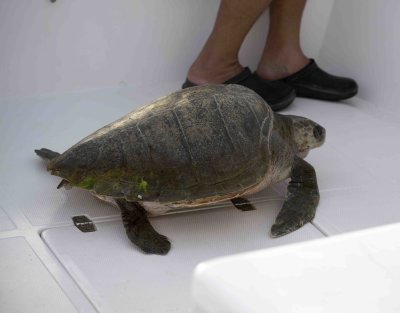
x: 197, y: 146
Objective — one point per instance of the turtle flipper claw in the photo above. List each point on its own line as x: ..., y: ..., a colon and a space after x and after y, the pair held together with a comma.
x: 291, y: 223
x: 149, y: 241
x: 139, y: 229
x: 302, y: 200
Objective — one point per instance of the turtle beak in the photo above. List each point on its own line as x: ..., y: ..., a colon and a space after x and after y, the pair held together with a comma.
x: 302, y: 154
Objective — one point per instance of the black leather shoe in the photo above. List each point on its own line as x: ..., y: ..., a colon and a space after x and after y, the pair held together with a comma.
x: 313, y: 82
x: 276, y: 93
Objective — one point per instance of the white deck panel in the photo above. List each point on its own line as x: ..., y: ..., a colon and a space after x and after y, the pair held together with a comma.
x: 358, y: 208
x: 25, y: 284
x: 111, y: 270
x: 5, y: 222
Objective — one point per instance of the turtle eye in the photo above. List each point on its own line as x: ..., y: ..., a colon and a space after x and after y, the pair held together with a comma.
x: 319, y: 132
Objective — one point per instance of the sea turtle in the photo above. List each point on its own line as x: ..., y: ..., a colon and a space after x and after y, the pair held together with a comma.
x: 196, y: 146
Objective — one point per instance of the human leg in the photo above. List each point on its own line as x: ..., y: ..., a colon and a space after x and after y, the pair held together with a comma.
x: 283, y: 70
x: 282, y: 55
x: 218, y: 60
x: 284, y: 60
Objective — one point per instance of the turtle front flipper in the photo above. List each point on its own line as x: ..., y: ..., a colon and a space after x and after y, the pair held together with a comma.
x: 46, y: 153
x: 301, y: 202
x: 139, y: 229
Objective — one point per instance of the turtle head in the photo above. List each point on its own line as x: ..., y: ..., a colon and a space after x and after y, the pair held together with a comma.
x: 306, y: 134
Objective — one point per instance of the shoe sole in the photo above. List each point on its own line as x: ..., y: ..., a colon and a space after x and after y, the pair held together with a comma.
x: 313, y: 94
x: 284, y: 103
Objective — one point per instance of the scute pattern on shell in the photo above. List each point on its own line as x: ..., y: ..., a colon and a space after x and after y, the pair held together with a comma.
x: 198, y: 145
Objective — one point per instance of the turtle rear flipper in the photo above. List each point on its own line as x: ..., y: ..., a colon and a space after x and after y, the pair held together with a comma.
x: 242, y: 204
x: 302, y: 200
x: 46, y: 153
x: 139, y: 229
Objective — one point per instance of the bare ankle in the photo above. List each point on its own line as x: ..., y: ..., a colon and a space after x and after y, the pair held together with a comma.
x: 273, y: 70
x: 280, y: 65
x: 213, y: 72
